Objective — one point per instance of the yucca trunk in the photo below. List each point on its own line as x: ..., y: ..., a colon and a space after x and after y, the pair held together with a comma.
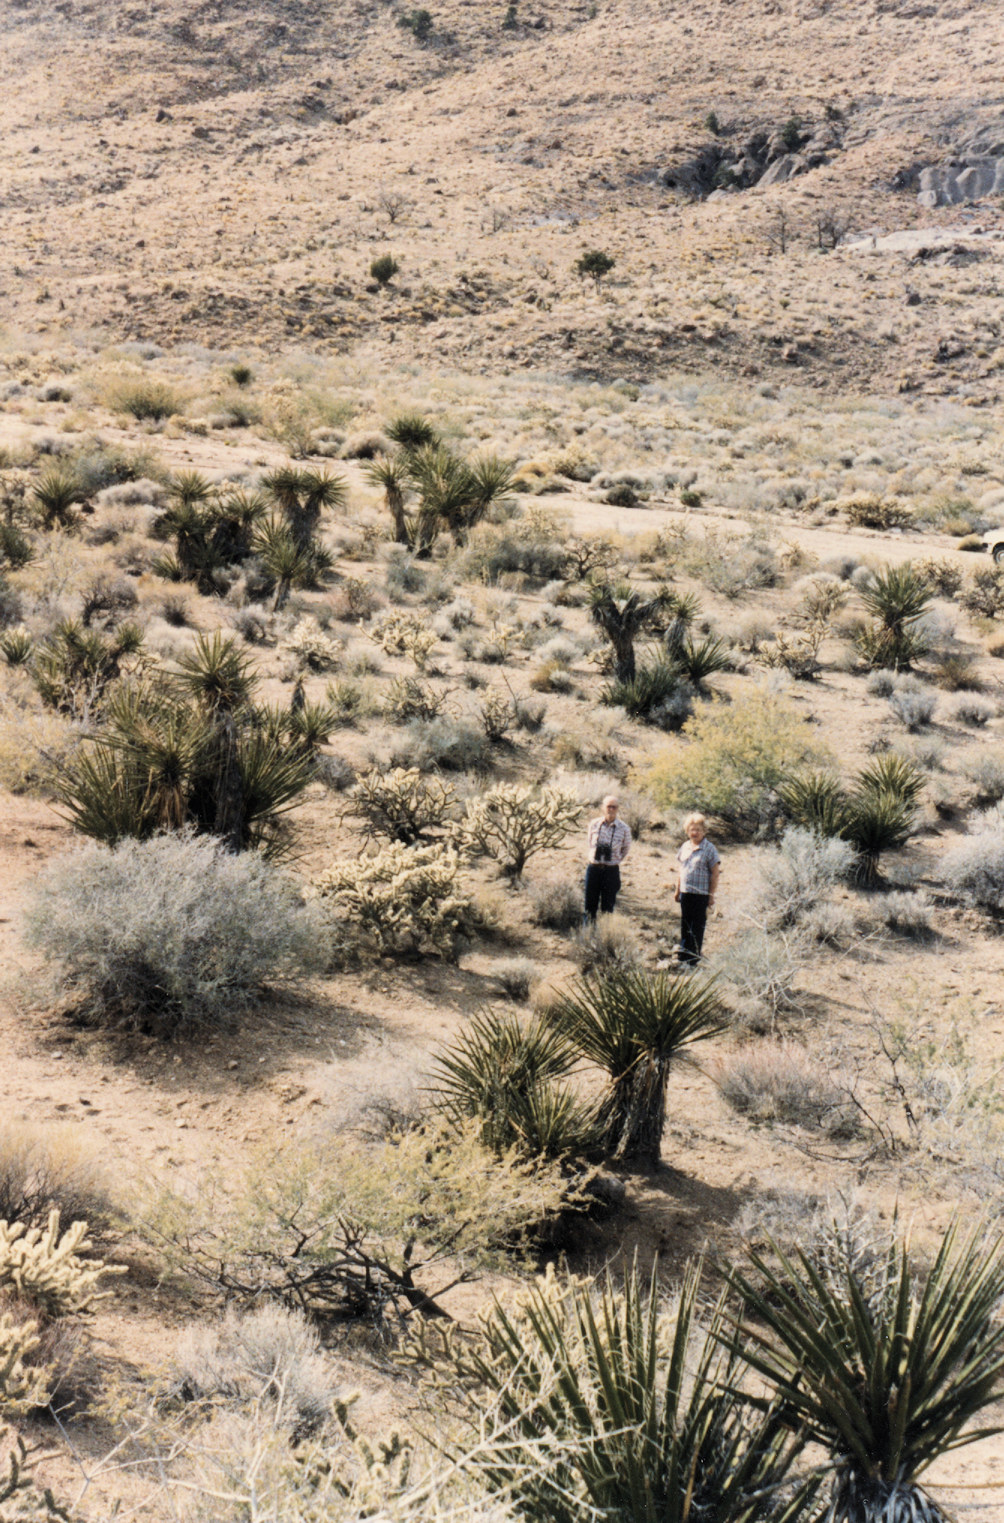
x: 869, y: 1499
x: 394, y: 499
x: 635, y: 1112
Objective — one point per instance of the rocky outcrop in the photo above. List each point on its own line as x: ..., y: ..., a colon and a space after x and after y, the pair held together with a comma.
x: 949, y: 184
x: 762, y: 157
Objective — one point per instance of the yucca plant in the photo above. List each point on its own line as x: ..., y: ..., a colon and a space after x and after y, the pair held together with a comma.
x: 699, y: 661
x: 621, y: 615
x: 300, y: 496
x: 75, y: 667
x: 288, y: 563
x: 390, y: 472
x: 56, y: 494
x: 674, y: 615
x: 896, y: 597
x: 875, y: 823
x: 606, y: 1405
x: 310, y: 725
x: 886, y: 1381
x: 16, y: 549
x: 411, y: 431
x: 16, y: 647
x: 502, y: 1072
x: 895, y: 775
x: 815, y: 800
x: 653, y: 684
x: 634, y: 1024
x: 217, y: 672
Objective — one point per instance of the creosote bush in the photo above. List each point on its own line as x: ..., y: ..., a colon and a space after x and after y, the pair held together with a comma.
x: 732, y: 759
x: 169, y: 935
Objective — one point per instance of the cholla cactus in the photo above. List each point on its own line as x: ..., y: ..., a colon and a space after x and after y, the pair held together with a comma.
x: 512, y: 823
x: 309, y: 646
x: 405, y: 898
x: 21, y: 1386
x: 403, y: 804
x: 498, y: 714
x: 402, y: 634
x: 46, y: 1268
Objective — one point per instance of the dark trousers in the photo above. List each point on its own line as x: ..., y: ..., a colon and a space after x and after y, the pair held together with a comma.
x: 602, y: 882
x: 693, y: 917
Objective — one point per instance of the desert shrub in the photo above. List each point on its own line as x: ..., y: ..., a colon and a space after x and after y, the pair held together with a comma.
x: 955, y: 669
x: 404, y: 901
x: 780, y: 1081
x: 971, y: 709
x: 145, y: 399
x: 868, y: 511
x: 309, y: 648
x: 734, y: 760
x: 913, y: 707
x: 459, y: 613
x: 608, y: 943
x: 494, y: 551
x: 344, y: 1230
x: 46, y: 1267
x: 402, y: 634
x: 402, y: 804
x: 512, y: 823
x: 760, y: 969
x: 985, y: 770
x: 908, y: 913
x: 408, y: 698
x: 385, y: 266
x: 792, y: 878
x: 942, y: 576
x: 445, y: 744
x: 269, y: 1355
x: 35, y: 748
x: 983, y: 593
x: 732, y: 565
x: 973, y: 870
x: 498, y: 713
x: 517, y: 975
x: 170, y: 934
x: 107, y: 595
x: 16, y: 646
x: 557, y: 904
x: 403, y: 573
x: 45, y: 1168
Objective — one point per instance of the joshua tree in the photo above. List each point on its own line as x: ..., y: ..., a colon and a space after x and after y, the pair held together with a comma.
x: 391, y: 473
x: 621, y: 615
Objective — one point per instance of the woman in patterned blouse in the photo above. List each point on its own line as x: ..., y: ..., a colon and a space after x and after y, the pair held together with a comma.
x: 609, y: 841
x: 696, y: 889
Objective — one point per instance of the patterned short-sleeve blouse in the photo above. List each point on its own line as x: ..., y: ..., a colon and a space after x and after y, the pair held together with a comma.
x: 696, y: 863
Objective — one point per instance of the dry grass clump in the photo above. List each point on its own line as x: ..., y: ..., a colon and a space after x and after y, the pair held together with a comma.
x: 50, y: 1166
x: 780, y: 1081
x: 610, y: 942
x: 557, y: 904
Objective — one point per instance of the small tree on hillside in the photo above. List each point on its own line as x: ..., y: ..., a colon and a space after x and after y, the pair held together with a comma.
x: 594, y: 264
x: 622, y: 616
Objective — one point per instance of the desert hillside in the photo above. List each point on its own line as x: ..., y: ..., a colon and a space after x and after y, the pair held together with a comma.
x: 358, y: 545
x: 226, y: 175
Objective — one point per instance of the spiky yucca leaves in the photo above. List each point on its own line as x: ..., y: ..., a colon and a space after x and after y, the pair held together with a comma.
x: 16, y: 647
x: 73, y: 669
x: 503, y: 1072
x: 816, y: 801
x: 411, y: 431
x: 300, y: 496
x: 621, y: 615
x: 896, y: 597
x: 654, y: 684
x: 895, y: 775
x: 217, y: 673
x: 288, y: 563
x: 455, y: 494
x: 607, y: 1405
x: 885, y: 1382
x: 16, y: 549
x: 390, y: 472
x: 875, y: 823
x: 697, y: 661
x: 633, y: 1024
x: 56, y: 493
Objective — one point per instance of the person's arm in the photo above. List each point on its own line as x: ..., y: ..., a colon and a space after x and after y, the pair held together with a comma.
x: 714, y: 882
x: 679, y: 879
x: 627, y: 841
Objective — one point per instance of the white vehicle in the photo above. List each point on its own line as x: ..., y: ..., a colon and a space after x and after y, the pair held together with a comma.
x: 994, y: 541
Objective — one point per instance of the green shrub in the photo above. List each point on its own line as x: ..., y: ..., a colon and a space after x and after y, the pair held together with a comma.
x: 983, y: 594
x: 146, y: 400
x: 384, y: 267
x: 443, y: 744
x: 733, y: 759
x: 419, y: 23
x: 594, y: 264
x: 169, y: 935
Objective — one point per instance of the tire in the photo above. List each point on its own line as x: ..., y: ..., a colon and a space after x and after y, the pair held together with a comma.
x: 998, y: 552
